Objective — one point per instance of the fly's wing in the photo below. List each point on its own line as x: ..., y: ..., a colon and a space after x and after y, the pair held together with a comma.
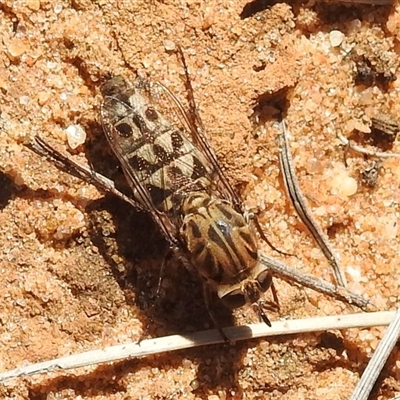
x: 189, y: 124
x: 194, y: 126
x: 126, y: 138
x: 160, y: 159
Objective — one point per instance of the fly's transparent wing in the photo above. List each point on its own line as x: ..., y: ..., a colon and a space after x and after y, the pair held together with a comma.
x: 155, y: 101
x: 194, y: 126
x: 159, y: 156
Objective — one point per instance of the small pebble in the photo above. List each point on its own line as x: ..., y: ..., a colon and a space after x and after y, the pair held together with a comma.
x: 208, y: 21
x: 336, y: 38
x: 42, y: 97
x: 24, y: 100
x: 349, y: 186
x: 194, y: 384
x: 360, y: 126
x: 58, y: 8
x: 169, y: 45
x: 15, y: 48
x: 33, y: 5
x: 76, y: 136
x: 344, y: 184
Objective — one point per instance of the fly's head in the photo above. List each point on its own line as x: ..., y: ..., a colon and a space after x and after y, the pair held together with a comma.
x: 248, y: 291
x: 222, y: 247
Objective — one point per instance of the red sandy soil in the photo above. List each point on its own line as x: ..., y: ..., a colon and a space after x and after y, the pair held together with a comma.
x: 79, y: 269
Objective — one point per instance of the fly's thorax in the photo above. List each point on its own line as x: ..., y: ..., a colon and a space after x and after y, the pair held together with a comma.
x: 222, y: 246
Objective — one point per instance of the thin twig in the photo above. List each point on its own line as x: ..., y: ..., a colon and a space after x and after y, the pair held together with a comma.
x: 378, y: 360
x: 299, y: 203
x: 203, y: 338
x: 290, y: 274
x: 363, y: 150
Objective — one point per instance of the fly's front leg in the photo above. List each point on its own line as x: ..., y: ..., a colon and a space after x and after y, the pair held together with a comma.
x: 207, y: 299
x: 264, y: 305
x: 170, y: 255
x: 252, y: 217
x: 276, y: 304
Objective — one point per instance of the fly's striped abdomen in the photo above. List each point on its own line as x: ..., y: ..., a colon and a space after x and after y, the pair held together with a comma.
x: 155, y: 155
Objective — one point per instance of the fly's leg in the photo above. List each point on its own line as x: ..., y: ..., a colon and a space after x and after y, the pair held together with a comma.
x: 253, y: 217
x: 207, y: 300
x: 42, y: 148
x: 193, y: 114
x: 264, y: 305
x: 168, y: 257
x: 153, y: 308
x: 275, y: 296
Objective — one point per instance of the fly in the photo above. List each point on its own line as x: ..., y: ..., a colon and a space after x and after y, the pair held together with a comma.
x: 175, y: 176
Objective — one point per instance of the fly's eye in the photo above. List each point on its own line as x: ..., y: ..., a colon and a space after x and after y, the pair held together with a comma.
x: 124, y: 129
x: 264, y: 279
x: 234, y: 299
x: 151, y: 113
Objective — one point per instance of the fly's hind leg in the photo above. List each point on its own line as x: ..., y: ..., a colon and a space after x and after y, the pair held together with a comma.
x: 171, y: 254
x: 193, y: 114
x: 156, y: 301
x: 87, y: 174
